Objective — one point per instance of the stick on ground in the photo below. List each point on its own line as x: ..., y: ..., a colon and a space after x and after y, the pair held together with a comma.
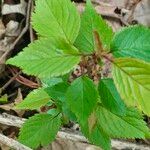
x: 12, y: 143
x: 68, y: 134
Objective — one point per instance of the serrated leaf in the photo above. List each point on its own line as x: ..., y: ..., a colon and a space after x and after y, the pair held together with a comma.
x: 132, y: 79
x: 58, y: 94
x: 58, y: 91
x: 97, y: 135
x: 42, y: 59
x: 132, y: 42
x: 90, y: 22
x: 61, y: 19
x: 40, y: 129
x: 82, y: 97
x: 110, y: 97
x: 129, y: 126
x: 34, y: 100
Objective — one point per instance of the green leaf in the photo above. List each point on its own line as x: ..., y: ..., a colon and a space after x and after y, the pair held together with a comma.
x: 110, y: 97
x: 97, y: 136
x: 90, y: 22
x: 61, y: 19
x: 129, y: 126
x: 42, y: 59
x: 68, y: 113
x: 53, y: 111
x: 132, y: 42
x: 49, y: 82
x: 82, y: 97
x: 40, y: 129
x: 34, y: 100
x: 4, y: 99
x: 132, y: 79
x: 58, y: 94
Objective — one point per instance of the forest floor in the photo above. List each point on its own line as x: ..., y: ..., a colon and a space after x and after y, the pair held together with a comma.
x: 16, y: 33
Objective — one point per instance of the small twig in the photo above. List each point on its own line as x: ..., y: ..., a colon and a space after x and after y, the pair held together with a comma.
x: 68, y: 134
x: 10, y: 81
x: 25, y: 29
x: 32, y: 38
x: 24, y: 80
x: 11, y: 120
x: 12, y: 143
x: 11, y: 95
x: 27, y: 82
x: 134, y: 5
x: 98, y: 2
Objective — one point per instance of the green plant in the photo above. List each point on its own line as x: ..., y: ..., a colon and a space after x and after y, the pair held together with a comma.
x: 104, y: 110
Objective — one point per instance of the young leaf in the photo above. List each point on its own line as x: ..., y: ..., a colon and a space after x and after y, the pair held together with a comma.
x: 34, y: 100
x: 42, y: 59
x: 110, y: 97
x: 132, y: 79
x: 40, y: 129
x: 61, y: 20
x: 132, y: 42
x: 82, y: 97
x: 129, y: 126
x: 97, y: 135
x: 90, y: 22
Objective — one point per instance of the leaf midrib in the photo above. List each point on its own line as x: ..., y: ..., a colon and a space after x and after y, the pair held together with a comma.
x: 58, y: 23
x: 131, y: 76
x: 122, y: 118
x: 56, y: 57
x: 41, y: 129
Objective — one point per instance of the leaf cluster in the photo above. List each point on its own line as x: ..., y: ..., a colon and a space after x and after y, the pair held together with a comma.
x: 110, y: 109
